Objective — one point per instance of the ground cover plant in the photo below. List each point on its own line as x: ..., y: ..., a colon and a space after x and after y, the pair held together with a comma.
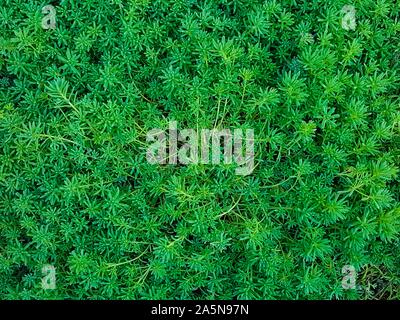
x: 76, y: 191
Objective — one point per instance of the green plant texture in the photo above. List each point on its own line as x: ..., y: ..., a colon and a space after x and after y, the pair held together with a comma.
x: 77, y: 193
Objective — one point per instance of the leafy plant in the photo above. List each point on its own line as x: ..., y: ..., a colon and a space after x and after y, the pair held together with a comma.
x: 76, y: 191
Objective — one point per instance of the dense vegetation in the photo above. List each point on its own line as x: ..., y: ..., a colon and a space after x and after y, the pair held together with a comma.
x: 76, y: 191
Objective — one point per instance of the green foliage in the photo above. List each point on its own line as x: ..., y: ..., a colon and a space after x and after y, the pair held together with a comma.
x: 77, y: 192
